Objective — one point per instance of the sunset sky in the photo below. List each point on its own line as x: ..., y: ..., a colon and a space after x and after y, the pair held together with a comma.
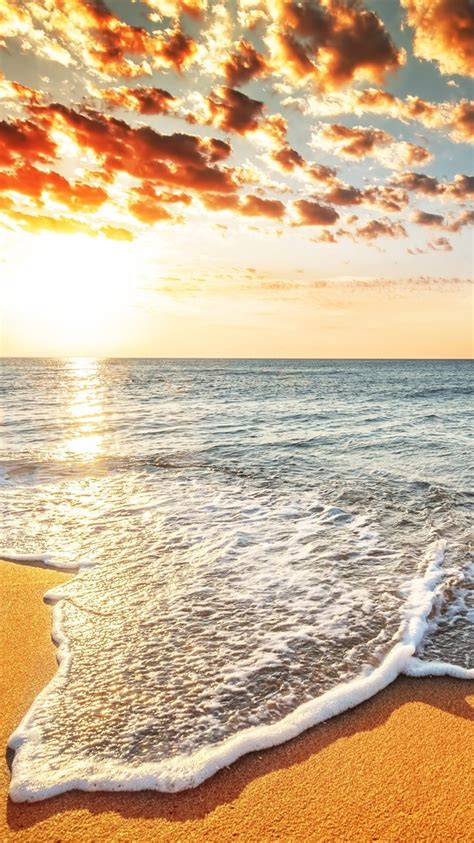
x: 247, y: 179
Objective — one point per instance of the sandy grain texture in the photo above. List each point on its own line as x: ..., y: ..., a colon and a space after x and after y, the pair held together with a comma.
x: 398, y: 768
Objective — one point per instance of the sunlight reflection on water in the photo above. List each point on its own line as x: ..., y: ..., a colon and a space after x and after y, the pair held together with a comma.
x: 85, y: 409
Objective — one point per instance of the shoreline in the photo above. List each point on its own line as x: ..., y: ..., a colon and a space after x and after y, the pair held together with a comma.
x: 398, y: 766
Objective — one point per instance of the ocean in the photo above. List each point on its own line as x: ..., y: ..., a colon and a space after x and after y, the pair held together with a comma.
x: 256, y: 545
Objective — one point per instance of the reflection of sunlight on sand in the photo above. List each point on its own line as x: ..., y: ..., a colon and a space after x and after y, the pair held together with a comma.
x: 84, y: 408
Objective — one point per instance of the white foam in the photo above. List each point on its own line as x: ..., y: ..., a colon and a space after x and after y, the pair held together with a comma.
x: 37, y: 560
x: 33, y: 779
x: 419, y: 667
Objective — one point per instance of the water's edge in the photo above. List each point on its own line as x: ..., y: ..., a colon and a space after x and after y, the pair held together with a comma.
x: 188, y: 771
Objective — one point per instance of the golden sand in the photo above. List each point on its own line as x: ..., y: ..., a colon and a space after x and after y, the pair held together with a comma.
x: 397, y: 768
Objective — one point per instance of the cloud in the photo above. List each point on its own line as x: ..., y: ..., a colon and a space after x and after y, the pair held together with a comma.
x: 113, y: 232
x: 440, y: 244
x: 457, y: 117
x: 362, y: 141
x: 386, y: 197
x: 36, y: 223
x: 14, y: 91
x: 357, y: 142
x: 176, y: 8
x: 218, y: 202
x: 425, y: 218
x: 325, y: 236
x: 149, y: 206
x: 23, y: 139
x: 403, y: 154
x: 94, y: 165
x: 314, y: 213
x: 233, y: 111
x: 287, y: 159
x: 162, y: 171
x: 141, y: 99
x: 329, y: 43
x: 381, y: 228
x: 344, y: 194
x: 87, y: 32
x: 244, y: 64
x: 464, y: 219
x: 39, y: 185
x: 454, y: 224
x: 460, y: 189
x: 177, y: 160
x: 443, y: 33
x: 248, y: 206
x: 320, y: 173
x: 418, y: 182
x: 463, y: 121
x: 254, y: 206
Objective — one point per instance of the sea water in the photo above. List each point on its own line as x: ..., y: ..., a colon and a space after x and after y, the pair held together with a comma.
x: 255, y: 547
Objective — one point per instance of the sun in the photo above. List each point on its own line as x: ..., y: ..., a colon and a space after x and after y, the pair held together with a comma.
x: 77, y: 291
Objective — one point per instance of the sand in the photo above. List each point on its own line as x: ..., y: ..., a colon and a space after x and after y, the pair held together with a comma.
x: 397, y: 768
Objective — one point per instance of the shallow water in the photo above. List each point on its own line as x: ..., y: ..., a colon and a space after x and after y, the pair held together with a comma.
x: 252, y: 537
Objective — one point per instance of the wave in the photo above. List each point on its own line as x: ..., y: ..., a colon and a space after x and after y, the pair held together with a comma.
x: 35, y: 560
x: 32, y: 781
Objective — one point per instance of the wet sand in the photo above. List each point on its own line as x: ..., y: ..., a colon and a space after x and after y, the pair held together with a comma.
x: 400, y: 767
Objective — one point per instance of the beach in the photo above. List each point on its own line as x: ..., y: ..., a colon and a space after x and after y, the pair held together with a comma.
x: 398, y: 767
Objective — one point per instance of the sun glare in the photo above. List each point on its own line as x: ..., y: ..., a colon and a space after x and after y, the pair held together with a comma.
x: 85, y: 409
x: 78, y: 289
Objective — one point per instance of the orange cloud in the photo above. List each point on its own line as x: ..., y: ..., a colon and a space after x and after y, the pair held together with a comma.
x: 39, y: 184
x: 418, y: 182
x: 178, y: 160
x: 149, y: 211
x: 88, y: 31
x: 287, y: 159
x: 325, y: 236
x: 357, y: 142
x: 443, y: 33
x: 249, y: 206
x: 16, y: 92
x: 218, y: 202
x: 148, y: 206
x: 141, y: 99
x: 313, y: 213
x: 168, y: 169
x: 254, y: 206
x: 425, y: 218
x: 440, y: 244
x: 361, y: 141
x: 175, y: 8
x: 24, y: 139
x: 234, y: 111
x: 389, y: 198
x: 457, y: 117
x: 320, y: 173
x: 244, y: 64
x: 329, y: 42
x: 60, y: 225
x: 463, y: 121
x: 113, y: 232
x: 460, y: 189
x: 381, y: 228
x: 464, y: 219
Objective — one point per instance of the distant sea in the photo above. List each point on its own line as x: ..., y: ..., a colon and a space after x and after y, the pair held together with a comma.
x: 257, y: 545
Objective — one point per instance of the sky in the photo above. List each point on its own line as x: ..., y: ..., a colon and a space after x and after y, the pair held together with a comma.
x: 255, y: 178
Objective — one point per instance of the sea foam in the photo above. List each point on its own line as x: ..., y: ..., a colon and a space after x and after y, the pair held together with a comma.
x: 32, y: 780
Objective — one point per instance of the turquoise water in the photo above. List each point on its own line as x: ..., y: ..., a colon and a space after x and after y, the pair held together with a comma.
x: 251, y: 537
